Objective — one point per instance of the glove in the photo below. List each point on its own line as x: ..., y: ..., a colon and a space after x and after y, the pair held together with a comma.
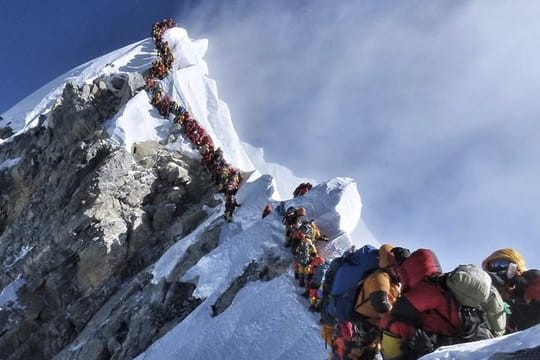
x: 422, y: 343
x: 507, y: 309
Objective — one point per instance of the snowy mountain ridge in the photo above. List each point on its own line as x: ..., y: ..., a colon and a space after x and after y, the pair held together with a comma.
x: 244, y: 304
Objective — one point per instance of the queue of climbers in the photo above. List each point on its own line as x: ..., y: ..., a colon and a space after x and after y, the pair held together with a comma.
x: 375, y: 303
x: 302, y: 236
x: 390, y: 303
x: 226, y: 177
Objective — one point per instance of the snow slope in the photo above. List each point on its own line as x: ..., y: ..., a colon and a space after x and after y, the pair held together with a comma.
x: 267, y: 320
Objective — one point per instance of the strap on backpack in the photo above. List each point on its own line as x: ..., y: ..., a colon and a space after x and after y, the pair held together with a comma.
x: 365, y: 299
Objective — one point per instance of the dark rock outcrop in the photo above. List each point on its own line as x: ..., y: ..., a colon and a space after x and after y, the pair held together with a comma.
x: 80, y: 221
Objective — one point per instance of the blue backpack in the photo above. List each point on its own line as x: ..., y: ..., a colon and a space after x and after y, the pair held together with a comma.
x: 328, y: 281
x: 353, y: 268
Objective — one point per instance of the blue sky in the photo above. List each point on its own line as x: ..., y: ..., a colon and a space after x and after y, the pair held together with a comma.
x: 430, y: 106
x: 44, y: 39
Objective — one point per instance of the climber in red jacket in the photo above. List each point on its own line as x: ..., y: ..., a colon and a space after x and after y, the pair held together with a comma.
x: 423, y: 306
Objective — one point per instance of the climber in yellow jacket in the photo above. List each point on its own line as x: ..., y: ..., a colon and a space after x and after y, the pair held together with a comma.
x: 379, y: 289
x: 377, y: 294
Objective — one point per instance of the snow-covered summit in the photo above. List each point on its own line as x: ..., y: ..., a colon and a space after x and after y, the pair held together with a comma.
x: 24, y: 115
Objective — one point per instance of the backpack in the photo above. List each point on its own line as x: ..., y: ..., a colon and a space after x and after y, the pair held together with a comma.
x: 328, y: 281
x: 481, y: 306
x: 495, y: 310
x: 469, y: 284
x: 304, y: 252
x: 525, y: 315
x: 354, y: 267
x: 307, y: 229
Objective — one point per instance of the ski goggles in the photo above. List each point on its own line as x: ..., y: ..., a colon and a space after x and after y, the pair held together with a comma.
x: 502, y: 266
x: 498, y: 265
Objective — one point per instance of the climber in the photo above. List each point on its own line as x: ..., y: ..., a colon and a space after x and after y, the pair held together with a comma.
x: 175, y: 108
x: 218, y: 161
x: 233, y: 181
x: 317, y: 269
x: 206, y: 151
x: 519, y: 287
x: 292, y: 221
x: 163, y: 106
x: 222, y: 178
x: 267, y: 210
x: 150, y: 83
x: 376, y: 296
x: 230, y: 205
x: 360, y: 336
x: 304, y: 252
x: 302, y: 189
x: 346, y: 344
x: 311, y: 230
x: 423, y: 306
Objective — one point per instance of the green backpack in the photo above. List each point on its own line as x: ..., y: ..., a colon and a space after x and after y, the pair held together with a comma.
x: 471, y: 286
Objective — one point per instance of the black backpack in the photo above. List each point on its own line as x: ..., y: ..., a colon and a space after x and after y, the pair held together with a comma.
x: 307, y: 229
x: 525, y: 315
x: 475, y: 325
x: 289, y: 214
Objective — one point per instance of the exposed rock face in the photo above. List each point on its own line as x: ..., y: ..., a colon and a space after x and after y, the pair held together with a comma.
x: 81, y: 219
